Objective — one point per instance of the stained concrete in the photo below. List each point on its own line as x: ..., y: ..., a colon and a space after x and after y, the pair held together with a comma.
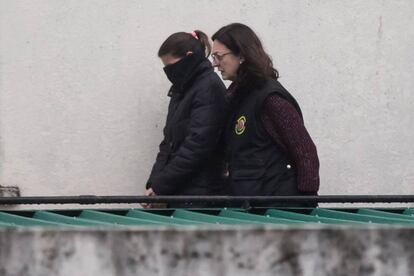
x: 318, y: 251
x: 9, y: 191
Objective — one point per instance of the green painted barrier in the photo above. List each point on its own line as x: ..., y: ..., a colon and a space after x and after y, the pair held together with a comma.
x: 210, y: 216
x: 256, y: 218
x: 212, y: 219
x: 385, y: 214
x: 161, y: 218
x: 409, y: 211
x: 358, y: 217
x: 115, y: 219
x: 25, y: 221
x: 306, y: 218
x: 61, y: 219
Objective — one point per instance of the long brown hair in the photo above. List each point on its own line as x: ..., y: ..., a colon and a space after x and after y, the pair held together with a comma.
x: 178, y: 44
x: 242, y: 41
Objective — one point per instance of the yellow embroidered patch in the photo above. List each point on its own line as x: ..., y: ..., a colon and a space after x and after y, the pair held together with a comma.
x: 240, y: 125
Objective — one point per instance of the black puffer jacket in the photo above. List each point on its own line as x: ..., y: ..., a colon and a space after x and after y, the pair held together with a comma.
x: 190, y: 160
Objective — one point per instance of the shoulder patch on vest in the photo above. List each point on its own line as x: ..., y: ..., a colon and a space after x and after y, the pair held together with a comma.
x: 240, y: 125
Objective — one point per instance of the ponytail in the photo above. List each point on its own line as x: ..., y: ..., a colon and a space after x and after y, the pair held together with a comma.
x: 204, y: 41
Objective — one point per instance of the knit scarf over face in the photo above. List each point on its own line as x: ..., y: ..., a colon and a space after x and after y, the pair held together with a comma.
x: 181, y: 72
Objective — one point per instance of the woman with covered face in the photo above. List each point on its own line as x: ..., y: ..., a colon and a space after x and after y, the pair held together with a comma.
x: 190, y: 161
x: 268, y: 149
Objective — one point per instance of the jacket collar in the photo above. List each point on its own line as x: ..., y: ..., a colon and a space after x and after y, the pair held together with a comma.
x: 182, y: 73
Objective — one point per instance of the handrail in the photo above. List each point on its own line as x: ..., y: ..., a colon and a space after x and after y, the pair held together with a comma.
x: 250, y: 200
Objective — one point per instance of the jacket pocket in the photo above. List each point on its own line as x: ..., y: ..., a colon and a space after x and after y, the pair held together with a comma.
x: 248, y: 169
x: 247, y: 177
x: 247, y: 173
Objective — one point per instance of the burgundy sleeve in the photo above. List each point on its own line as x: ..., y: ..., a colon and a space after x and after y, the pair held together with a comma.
x: 285, y: 126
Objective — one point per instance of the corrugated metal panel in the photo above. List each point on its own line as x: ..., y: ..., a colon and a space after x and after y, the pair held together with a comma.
x: 409, y: 212
x: 183, y: 217
x: 161, y: 218
x: 305, y: 217
x: 24, y: 221
x: 359, y: 217
x: 61, y: 219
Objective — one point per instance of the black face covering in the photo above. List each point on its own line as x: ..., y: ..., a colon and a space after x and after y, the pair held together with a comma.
x: 180, y: 72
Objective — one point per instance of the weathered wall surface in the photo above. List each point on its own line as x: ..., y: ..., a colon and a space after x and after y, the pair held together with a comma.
x: 341, y: 251
x: 83, y: 95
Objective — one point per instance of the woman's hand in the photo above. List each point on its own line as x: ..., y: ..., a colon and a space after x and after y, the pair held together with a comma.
x: 148, y: 192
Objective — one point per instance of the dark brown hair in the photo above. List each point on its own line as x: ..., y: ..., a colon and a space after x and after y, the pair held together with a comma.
x: 178, y: 44
x: 243, y: 42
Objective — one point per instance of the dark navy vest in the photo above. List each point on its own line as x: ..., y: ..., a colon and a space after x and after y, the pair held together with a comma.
x: 256, y: 165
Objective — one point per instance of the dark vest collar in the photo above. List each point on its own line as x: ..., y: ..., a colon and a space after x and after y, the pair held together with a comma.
x: 236, y: 94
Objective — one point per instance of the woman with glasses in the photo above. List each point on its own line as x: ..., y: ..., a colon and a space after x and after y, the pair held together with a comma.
x: 268, y: 149
x: 190, y: 161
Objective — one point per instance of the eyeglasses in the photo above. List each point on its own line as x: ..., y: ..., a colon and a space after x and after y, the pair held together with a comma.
x: 217, y: 58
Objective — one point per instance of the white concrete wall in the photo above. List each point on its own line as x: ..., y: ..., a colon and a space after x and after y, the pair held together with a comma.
x: 83, y: 95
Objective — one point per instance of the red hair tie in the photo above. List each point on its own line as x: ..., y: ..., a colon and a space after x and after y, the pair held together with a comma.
x: 194, y: 34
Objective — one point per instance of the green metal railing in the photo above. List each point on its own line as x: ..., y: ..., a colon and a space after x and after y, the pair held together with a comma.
x: 223, y: 216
